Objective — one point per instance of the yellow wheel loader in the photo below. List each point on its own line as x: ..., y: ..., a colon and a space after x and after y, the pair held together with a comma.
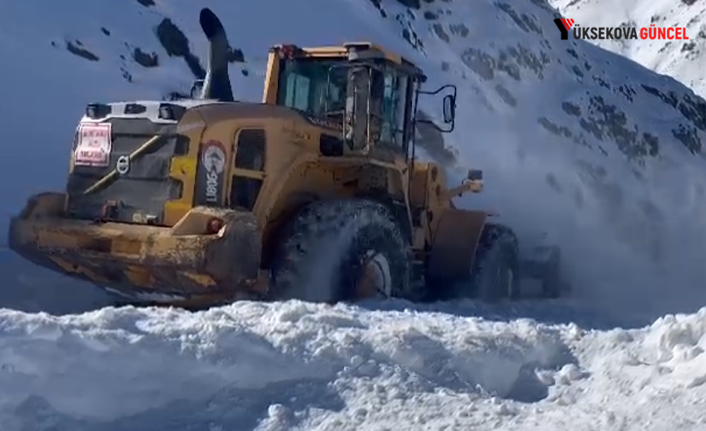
x: 313, y: 194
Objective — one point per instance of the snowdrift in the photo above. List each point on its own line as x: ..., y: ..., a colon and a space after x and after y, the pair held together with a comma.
x: 303, y: 366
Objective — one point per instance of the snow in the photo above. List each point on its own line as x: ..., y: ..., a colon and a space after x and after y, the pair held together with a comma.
x: 305, y: 366
x: 602, y: 155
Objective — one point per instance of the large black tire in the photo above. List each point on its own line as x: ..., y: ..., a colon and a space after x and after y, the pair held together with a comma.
x: 495, y: 273
x: 324, y: 248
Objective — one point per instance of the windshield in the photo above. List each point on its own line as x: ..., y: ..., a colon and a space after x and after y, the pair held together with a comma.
x: 315, y: 86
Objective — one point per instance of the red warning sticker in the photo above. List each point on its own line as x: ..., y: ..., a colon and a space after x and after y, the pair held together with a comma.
x: 94, y: 145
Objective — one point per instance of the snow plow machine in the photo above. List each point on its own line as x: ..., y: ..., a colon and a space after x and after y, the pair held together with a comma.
x: 313, y: 194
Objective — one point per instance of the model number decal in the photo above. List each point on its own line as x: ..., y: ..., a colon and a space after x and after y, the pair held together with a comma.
x: 211, y: 169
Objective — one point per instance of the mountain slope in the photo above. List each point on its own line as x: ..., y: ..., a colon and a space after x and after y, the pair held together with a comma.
x: 681, y: 59
x: 602, y: 154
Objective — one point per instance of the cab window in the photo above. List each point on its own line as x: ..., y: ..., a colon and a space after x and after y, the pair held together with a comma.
x: 394, y: 93
x: 249, y: 168
x: 314, y: 86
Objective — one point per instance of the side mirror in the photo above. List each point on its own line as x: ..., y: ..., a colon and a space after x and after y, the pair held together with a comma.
x: 449, y: 108
x: 475, y: 175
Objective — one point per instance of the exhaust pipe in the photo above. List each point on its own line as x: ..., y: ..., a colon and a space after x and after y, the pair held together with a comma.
x: 216, y: 85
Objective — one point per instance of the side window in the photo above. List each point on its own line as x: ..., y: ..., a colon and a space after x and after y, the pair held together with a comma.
x: 249, y: 165
x: 394, y: 109
x: 297, y: 96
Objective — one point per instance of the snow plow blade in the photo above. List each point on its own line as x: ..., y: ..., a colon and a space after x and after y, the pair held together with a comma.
x: 182, y: 265
x: 543, y: 267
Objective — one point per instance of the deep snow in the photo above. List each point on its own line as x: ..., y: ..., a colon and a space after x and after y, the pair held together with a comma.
x: 599, y: 152
x: 305, y: 366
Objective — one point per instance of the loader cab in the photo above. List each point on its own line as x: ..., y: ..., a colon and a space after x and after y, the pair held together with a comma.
x: 365, y: 92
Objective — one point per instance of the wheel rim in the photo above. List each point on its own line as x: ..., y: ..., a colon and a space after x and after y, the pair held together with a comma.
x: 375, y: 278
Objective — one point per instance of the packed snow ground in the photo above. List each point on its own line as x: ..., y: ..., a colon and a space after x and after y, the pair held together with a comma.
x: 608, y: 157
x: 298, y: 366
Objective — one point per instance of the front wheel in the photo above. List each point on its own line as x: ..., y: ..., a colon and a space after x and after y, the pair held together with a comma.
x: 495, y: 272
x: 342, y: 250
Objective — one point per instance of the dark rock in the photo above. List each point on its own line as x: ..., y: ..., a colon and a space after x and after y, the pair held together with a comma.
x: 554, y: 128
x: 607, y: 121
x: 481, y: 63
x: 527, y: 59
x: 505, y: 95
x: 414, y: 4
x: 525, y: 22
x: 145, y: 59
x: 571, y: 109
x: 126, y: 74
x: 378, y: 6
x: 408, y: 32
x: 78, y: 50
x: 172, y: 39
x: 459, y: 30
x: 627, y: 91
x: 439, y: 30
x: 691, y: 108
x: 689, y: 137
x: 176, y: 44
x: 688, y: 46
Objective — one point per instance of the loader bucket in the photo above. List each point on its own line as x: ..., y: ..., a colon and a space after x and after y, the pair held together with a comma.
x: 179, y: 265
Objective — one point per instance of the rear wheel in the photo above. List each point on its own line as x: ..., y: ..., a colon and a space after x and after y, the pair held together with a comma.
x: 544, y: 265
x: 342, y: 250
x: 495, y: 272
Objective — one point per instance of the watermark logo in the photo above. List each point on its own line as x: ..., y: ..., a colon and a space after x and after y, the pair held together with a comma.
x: 567, y: 25
x: 564, y: 25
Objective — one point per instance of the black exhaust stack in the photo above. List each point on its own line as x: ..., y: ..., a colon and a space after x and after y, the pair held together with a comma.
x: 217, y: 83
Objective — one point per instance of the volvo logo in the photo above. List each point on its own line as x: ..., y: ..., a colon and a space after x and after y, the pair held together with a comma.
x: 123, y: 165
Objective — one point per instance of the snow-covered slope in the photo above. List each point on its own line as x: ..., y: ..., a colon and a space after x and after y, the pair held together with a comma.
x: 682, y: 59
x: 600, y: 153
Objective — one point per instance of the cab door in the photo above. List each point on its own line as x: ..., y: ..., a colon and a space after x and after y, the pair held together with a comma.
x: 248, y: 170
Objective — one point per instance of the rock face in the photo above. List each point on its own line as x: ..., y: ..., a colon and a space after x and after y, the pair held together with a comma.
x: 604, y: 107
